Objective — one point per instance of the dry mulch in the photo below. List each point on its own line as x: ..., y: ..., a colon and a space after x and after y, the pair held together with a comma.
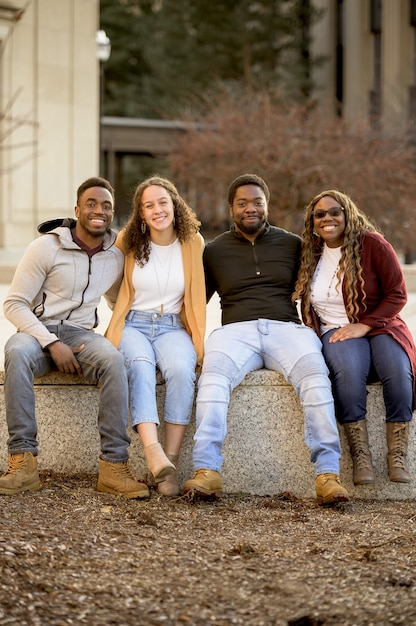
x: 71, y: 555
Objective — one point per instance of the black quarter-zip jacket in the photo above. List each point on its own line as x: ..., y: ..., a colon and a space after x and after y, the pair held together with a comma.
x: 254, y: 280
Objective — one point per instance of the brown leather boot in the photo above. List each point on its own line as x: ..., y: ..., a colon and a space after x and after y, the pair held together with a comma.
x: 169, y: 486
x: 205, y: 483
x: 357, y: 435
x: 116, y: 478
x: 397, y: 437
x: 329, y: 490
x: 21, y: 474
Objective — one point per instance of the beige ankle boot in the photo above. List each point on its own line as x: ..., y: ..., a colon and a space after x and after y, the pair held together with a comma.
x: 21, y: 474
x: 157, y: 462
x: 169, y: 486
x: 357, y: 435
x: 397, y: 437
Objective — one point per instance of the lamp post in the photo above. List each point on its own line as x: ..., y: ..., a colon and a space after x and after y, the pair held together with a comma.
x: 103, y: 44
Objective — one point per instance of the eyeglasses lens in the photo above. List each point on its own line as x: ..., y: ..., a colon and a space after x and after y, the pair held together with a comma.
x: 334, y: 212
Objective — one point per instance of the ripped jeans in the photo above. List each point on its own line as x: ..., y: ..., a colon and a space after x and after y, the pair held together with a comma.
x: 295, y: 351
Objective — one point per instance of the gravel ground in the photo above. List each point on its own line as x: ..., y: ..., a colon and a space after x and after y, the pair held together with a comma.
x: 71, y: 555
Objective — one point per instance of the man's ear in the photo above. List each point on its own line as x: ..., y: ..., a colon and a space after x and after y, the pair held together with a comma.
x: 231, y: 210
x: 76, y: 211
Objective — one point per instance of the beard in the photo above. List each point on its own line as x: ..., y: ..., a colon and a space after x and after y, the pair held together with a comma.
x: 251, y: 229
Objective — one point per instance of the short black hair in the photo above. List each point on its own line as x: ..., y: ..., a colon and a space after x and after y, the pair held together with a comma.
x: 94, y: 181
x: 247, y: 179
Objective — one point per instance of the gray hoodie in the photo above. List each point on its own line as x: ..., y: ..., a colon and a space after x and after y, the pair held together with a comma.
x: 58, y: 283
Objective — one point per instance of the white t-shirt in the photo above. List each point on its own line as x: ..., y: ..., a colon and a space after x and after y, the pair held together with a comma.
x: 159, y: 285
x: 326, y: 293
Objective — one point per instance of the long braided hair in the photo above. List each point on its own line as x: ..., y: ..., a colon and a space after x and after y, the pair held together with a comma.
x: 186, y: 223
x: 356, y: 223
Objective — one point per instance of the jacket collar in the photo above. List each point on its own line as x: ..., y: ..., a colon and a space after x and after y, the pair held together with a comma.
x: 61, y: 227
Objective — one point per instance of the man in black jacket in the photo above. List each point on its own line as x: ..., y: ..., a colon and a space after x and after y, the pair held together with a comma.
x: 253, y: 267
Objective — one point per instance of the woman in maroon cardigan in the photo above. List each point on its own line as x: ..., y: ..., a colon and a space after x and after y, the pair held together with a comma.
x: 352, y: 289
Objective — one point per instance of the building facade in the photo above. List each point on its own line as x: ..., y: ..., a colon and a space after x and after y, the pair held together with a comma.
x: 49, y: 104
x: 50, y: 92
x: 369, y: 48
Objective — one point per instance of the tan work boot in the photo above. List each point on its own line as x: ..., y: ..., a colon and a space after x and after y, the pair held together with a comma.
x: 169, y: 486
x: 116, y: 478
x: 21, y: 475
x: 205, y: 483
x: 357, y: 435
x: 329, y: 490
x: 397, y: 437
x: 157, y: 462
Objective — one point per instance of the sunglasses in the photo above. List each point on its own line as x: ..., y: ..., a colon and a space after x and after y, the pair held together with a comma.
x: 335, y: 211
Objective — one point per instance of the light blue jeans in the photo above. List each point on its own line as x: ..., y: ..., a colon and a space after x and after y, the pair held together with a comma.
x: 99, y: 360
x: 151, y: 341
x: 233, y: 351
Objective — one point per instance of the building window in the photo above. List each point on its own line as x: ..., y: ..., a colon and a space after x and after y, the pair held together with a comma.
x: 375, y: 93
x: 339, y: 56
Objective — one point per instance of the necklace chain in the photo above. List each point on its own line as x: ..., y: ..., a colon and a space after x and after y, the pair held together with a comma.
x: 331, y: 282
x: 162, y: 264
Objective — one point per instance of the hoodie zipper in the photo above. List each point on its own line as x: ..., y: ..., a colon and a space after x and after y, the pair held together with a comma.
x: 255, y: 258
x: 84, y: 290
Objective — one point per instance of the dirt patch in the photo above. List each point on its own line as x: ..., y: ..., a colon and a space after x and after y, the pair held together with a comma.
x: 71, y: 555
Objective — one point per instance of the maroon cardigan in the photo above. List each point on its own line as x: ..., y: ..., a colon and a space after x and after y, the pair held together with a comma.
x: 386, y: 295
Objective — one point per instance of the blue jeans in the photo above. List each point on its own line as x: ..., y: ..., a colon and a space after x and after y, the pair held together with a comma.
x: 233, y: 351
x: 99, y: 360
x: 354, y: 362
x: 150, y: 341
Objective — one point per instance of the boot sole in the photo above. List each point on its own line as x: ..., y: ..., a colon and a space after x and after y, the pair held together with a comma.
x: 10, y: 492
x: 132, y: 495
x: 334, y: 499
x: 203, y: 493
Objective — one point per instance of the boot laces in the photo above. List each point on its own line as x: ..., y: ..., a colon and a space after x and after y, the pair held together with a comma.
x: 15, y: 464
x: 332, y: 477
x: 399, y: 433
x: 398, y: 460
x: 122, y: 469
x: 397, y: 453
x: 361, y: 456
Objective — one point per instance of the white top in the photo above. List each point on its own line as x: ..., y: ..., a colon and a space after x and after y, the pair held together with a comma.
x: 326, y: 294
x: 159, y: 285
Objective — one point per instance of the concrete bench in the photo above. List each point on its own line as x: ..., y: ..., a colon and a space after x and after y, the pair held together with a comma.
x: 264, y: 451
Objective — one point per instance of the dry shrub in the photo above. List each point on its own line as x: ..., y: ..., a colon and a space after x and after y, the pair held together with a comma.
x: 299, y: 152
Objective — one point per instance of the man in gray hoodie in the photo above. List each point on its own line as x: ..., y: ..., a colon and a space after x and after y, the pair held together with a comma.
x: 53, y: 302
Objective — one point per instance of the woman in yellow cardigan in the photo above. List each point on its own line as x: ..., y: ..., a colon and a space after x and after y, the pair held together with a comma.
x: 159, y: 319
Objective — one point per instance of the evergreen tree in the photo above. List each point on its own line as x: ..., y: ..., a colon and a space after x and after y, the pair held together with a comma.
x: 170, y: 55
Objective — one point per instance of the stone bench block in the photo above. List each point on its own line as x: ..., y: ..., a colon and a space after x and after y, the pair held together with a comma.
x: 264, y: 452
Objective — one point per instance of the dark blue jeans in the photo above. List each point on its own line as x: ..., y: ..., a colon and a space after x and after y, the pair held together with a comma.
x: 355, y: 362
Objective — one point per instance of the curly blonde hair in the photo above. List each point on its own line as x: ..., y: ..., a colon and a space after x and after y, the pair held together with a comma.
x: 356, y: 223
x: 186, y: 223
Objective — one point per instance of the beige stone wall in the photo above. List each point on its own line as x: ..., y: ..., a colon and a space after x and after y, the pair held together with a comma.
x: 49, y: 92
x: 397, y: 59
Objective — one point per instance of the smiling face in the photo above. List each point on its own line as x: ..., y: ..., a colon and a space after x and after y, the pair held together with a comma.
x: 329, y: 225
x: 158, y: 212
x: 94, y: 212
x: 249, y: 210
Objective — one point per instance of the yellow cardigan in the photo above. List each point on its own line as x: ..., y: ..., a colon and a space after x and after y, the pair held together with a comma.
x: 193, y: 313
